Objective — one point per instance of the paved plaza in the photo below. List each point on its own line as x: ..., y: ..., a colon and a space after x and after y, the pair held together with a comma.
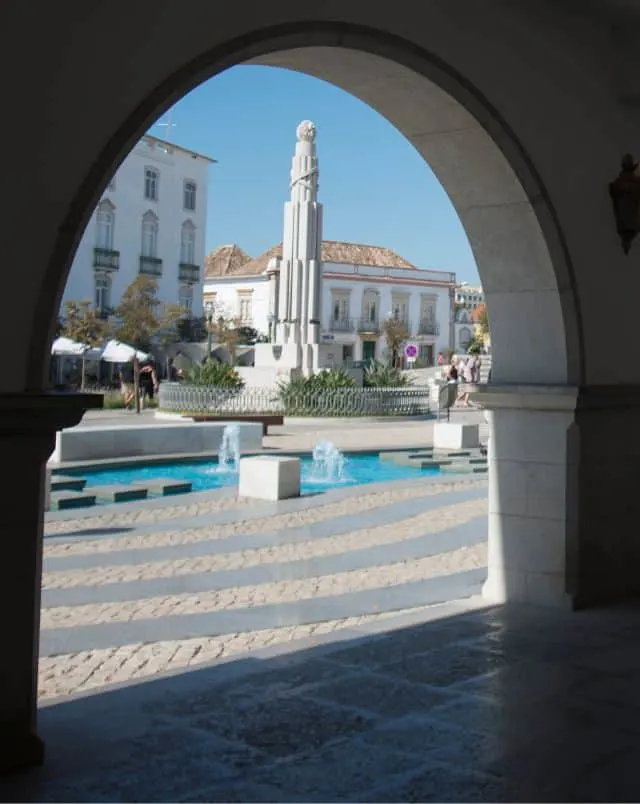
x: 329, y: 648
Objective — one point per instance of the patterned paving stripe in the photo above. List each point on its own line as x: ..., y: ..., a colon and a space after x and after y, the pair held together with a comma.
x: 66, y: 674
x: 426, y: 591
x: 276, y: 592
x: 431, y: 521
x: 142, y: 515
x: 277, y: 522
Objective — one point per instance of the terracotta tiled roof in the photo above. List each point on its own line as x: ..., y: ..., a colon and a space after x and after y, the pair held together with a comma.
x: 226, y: 261
x: 337, y: 252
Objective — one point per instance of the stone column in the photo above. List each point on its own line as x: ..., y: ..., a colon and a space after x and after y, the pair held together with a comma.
x: 28, y: 425
x: 564, y: 504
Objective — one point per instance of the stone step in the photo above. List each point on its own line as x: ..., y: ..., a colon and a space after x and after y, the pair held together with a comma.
x: 165, y: 486
x: 120, y: 493
x: 62, y: 500
x: 67, y: 483
x: 465, y: 469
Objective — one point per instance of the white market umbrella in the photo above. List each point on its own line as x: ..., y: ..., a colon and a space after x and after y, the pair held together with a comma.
x: 65, y: 346
x: 117, y: 352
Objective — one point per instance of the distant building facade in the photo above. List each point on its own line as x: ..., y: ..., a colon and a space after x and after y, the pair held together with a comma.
x: 469, y: 296
x: 150, y: 221
x: 361, y: 287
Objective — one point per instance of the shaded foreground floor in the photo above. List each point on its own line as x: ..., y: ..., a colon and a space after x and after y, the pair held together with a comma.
x: 475, y: 704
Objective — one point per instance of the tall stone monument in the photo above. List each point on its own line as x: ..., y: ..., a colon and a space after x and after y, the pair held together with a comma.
x: 295, y: 286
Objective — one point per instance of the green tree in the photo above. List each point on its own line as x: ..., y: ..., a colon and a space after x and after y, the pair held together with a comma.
x: 226, y: 332
x: 480, y: 317
x: 395, y: 334
x: 137, y: 312
x: 83, y: 325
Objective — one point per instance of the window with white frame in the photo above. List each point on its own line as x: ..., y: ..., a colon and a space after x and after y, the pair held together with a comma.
x: 370, y: 306
x: 188, y: 243
x: 149, y: 235
x: 105, y: 222
x: 151, y: 184
x: 102, y: 292
x: 340, y: 308
x: 189, y: 195
x: 185, y: 297
x: 245, y: 309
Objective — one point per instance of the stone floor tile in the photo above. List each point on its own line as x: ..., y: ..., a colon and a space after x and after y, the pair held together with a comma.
x: 444, y: 667
x: 381, y: 695
x: 286, y: 725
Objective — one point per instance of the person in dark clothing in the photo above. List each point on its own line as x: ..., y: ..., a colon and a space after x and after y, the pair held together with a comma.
x: 148, y: 381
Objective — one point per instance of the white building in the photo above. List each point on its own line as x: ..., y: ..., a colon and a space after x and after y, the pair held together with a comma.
x: 361, y: 286
x: 469, y: 296
x: 150, y: 220
x: 464, y: 330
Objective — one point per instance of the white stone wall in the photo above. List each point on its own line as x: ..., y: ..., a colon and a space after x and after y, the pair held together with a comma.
x: 227, y: 292
x: 354, y: 280
x: 128, y: 199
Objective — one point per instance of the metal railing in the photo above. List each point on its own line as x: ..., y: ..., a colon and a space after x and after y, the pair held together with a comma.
x: 428, y: 327
x: 150, y: 266
x: 342, y: 325
x: 106, y: 258
x: 200, y: 400
x: 188, y: 272
x: 368, y: 325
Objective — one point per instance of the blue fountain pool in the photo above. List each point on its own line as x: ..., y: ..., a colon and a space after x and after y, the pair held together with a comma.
x: 359, y: 469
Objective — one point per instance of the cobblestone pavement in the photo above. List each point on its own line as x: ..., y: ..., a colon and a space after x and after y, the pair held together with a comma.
x: 120, y: 608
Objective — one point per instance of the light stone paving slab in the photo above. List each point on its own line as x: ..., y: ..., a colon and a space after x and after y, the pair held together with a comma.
x: 67, y: 674
x: 255, y: 541
x: 423, y: 592
x: 277, y: 592
x: 467, y: 534
x: 429, y: 522
x: 352, y: 505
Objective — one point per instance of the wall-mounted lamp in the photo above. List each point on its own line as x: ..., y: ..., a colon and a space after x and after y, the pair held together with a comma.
x: 625, y: 194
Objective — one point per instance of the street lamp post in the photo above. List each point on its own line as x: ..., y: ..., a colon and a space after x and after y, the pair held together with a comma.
x: 209, y: 314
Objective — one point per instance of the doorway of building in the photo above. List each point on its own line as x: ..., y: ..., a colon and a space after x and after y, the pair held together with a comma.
x: 368, y: 350
x: 426, y: 354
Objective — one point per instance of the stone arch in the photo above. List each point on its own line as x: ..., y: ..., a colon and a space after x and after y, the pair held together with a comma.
x: 502, y: 203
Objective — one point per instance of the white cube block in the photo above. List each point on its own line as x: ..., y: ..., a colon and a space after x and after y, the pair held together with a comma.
x: 448, y: 435
x: 269, y: 477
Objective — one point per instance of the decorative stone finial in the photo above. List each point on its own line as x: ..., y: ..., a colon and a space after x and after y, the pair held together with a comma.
x: 306, y: 131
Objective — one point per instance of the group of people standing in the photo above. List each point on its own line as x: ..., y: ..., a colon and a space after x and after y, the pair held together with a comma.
x: 147, y: 382
x: 466, y: 371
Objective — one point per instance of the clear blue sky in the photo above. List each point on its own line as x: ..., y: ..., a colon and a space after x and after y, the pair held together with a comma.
x: 375, y: 187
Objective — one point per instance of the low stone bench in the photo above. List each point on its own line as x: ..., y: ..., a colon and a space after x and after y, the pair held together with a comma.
x: 127, y: 441
x: 265, y: 421
x: 269, y: 477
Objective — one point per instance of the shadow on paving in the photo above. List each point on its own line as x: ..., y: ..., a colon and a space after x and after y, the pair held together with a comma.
x: 494, y: 704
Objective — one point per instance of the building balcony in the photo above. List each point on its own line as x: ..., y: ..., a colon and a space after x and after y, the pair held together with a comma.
x: 429, y: 327
x: 188, y: 273
x: 106, y: 259
x: 342, y: 325
x: 368, y: 325
x: 150, y: 266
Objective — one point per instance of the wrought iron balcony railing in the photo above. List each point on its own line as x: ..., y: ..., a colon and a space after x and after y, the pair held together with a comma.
x: 429, y: 327
x: 106, y: 259
x: 150, y: 266
x: 342, y: 325
x: 188, y: 272
x: 368, y: 325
